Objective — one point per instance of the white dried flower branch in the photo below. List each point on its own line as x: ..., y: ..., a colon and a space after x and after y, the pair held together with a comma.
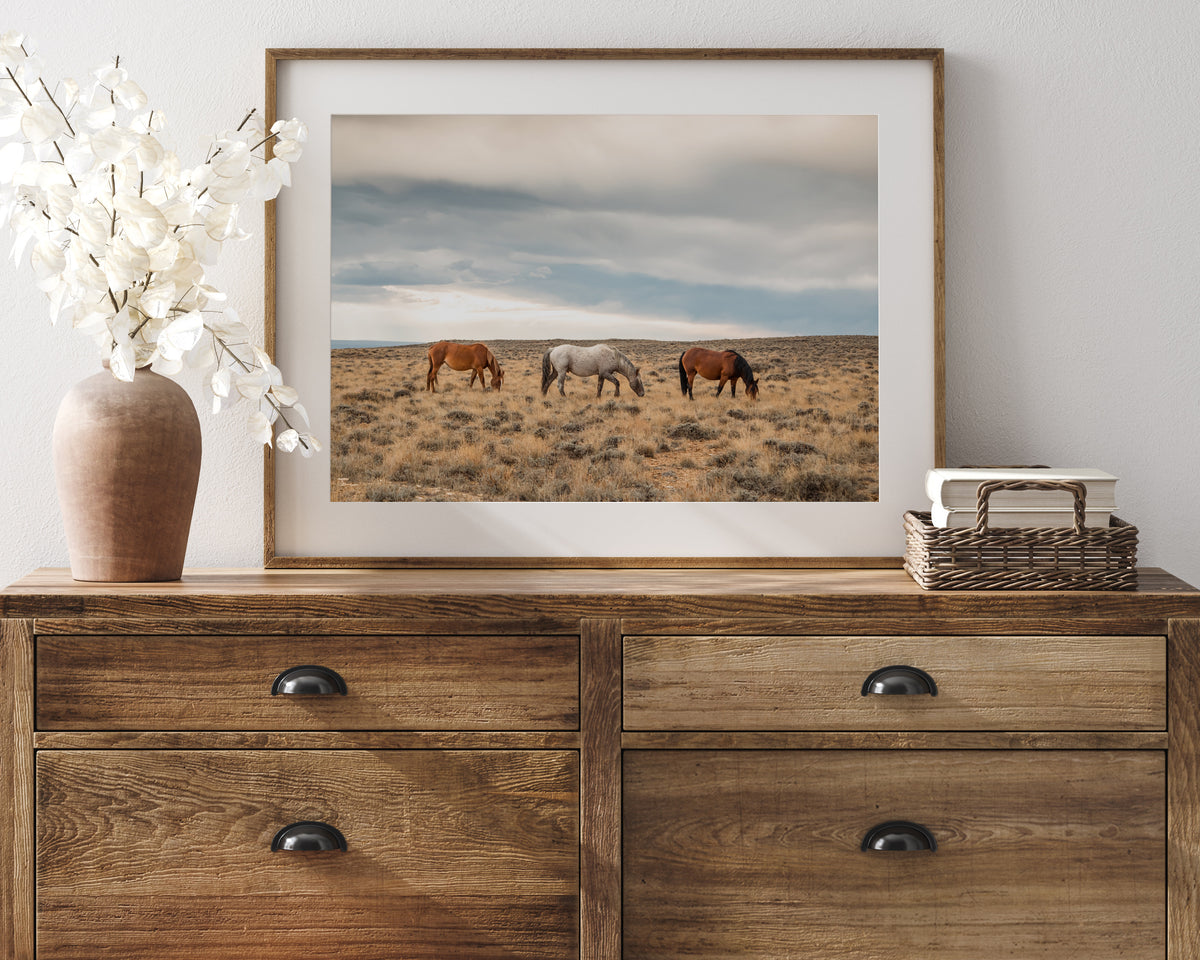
x: 119, y: 233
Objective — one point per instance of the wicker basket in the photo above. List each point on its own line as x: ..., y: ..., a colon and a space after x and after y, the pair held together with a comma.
x: 1021, y: 558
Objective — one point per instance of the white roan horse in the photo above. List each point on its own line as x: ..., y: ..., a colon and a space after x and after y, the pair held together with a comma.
x: 600, y: 361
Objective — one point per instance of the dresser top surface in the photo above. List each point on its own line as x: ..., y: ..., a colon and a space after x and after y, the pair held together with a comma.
x: 50, y: 592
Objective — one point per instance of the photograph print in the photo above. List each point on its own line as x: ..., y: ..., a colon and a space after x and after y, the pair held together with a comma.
x: 604, y: 308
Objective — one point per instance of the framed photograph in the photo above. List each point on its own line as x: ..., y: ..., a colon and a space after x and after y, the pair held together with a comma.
x: 607, y: 307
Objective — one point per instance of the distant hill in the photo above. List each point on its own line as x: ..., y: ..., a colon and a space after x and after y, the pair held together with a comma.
x: 367, y: 344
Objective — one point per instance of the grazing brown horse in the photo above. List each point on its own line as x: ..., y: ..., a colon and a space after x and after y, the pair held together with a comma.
x: 475, y: 358
x: 723, y: 365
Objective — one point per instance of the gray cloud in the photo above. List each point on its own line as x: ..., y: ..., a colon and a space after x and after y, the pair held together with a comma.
x: 654, y: 213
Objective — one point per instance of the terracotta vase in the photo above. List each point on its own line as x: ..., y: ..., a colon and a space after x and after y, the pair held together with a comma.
x: 126, y: 462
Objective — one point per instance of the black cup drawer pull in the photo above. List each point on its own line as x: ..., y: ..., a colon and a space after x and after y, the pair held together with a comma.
x: 901, y: 835
x: 899, y: 679
x: 309, y: 836
x: 309, y: 679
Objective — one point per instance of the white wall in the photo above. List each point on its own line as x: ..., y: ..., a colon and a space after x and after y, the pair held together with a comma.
x: 1073, y: 218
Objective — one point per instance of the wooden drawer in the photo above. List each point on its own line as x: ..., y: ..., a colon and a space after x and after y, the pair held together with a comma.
x: 757, y: 854
x: 224, y: 683
x: 816, y: 683
x: 464, y: 854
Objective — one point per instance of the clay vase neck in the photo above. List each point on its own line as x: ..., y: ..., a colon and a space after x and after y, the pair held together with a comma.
x: 127, y: 463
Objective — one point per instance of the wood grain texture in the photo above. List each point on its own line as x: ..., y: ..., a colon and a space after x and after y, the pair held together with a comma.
x: 525, y: 594
x: 939, y: 259
x: 1183, y: 780
x: 1013, y: 626
x: 224, y: 683
x: 307, y: 740
x: 270, y: 299
x: 123, y: 783
x: 16, y: 790
x: 1041, y: 854
x: 313, y: 627
x: 815, y: 683
x: 600, y: 792
x: 450, y: 854
x: 891, y: 740
x: 601, y: 53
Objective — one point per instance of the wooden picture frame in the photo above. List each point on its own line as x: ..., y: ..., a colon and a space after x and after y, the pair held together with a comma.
x: 902, y: 87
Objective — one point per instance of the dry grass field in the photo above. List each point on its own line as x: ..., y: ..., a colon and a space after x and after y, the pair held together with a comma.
x: 812, y: 434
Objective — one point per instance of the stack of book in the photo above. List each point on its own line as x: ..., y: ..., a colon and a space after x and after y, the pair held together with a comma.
x: 954, y: 492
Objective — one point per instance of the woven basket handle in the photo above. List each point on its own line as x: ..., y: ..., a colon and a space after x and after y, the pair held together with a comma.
x: 986, y: 489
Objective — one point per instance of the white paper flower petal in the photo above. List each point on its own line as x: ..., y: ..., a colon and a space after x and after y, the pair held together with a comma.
x: 167, y: 366
x: 259, y: 427
x: 221, y: 382
x: 149, y: 153
x: 231, y: 189
x: 165, y: 255
x: 288, y: 150
x: 94, y: 226
x: 267, y: 182
x: 79, y: 159
x: 60, y: 205
x: 202, y: 356
x: 288, y: 441
x: 41, y: 123
x: 199, y: 178
x: 121, y: 361
x: 221, y: 222
x: 251, y: 386
x: 48, y: 261
x: 124, y: 263
x: 110, y: 75
x: 102, y: 115
x: 282, y: 169
x: 89, y: 321
x: 30, y: 71
x: 200, y: 247
x: 181, y: 334
x: 158, y: 297
x: 232, y: 158
x: 113, y: 143
x: 67, y: 94
x: 290, y: 129
x: 10, y: 120
x: 142, y: 221
x: 129, y: 95
x: 285, y: 395
x: 151, y: 122
x: 11, y: 51
x: 229, y: 328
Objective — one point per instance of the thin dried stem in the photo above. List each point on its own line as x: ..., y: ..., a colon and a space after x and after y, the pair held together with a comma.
x: 17, y: 84
x: 54, y: 103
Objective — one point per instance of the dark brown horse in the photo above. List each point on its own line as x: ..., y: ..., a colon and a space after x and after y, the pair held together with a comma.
x: 723, y: 365
x: 475, y: 358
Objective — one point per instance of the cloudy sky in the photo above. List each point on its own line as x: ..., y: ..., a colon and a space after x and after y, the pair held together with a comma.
x: 603, y: 227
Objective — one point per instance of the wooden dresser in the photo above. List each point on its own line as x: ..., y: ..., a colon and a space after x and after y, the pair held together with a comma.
x: 504, y: 764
